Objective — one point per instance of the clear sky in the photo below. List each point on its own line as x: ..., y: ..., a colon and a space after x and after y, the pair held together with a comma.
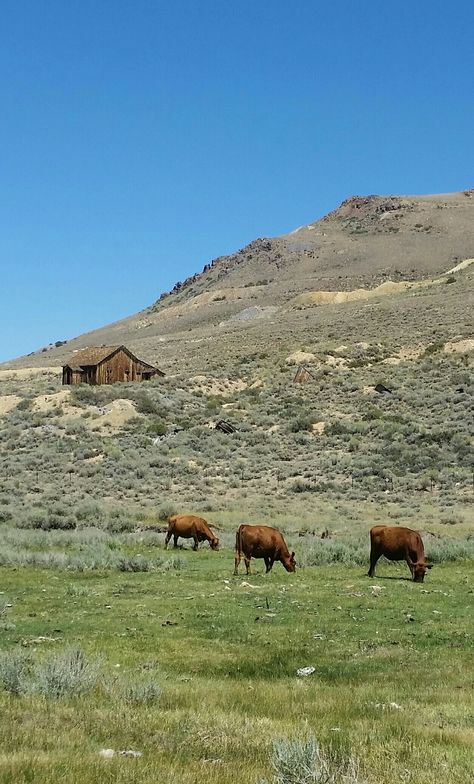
x: 140, y: 139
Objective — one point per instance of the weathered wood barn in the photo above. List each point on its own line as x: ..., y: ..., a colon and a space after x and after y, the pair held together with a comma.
x: 106, y: 365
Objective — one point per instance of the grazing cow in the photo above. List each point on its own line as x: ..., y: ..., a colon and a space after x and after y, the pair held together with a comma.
x: 261, y: 541
x: 190, y: 527
x: 398, y: 544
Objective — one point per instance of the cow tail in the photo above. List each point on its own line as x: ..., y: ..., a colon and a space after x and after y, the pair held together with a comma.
x: 238, y: 541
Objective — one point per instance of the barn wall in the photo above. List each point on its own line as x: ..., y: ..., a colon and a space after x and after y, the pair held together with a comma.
x: 120, y: 367
x: 73, y: 376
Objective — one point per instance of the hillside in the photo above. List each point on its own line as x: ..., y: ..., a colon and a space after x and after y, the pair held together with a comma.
x: 388, y: 256
x: 379, y: 291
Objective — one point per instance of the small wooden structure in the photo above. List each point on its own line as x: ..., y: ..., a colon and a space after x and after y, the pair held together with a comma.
x: 225, y: 427
x: 302, y: 375
x: 107, y: 365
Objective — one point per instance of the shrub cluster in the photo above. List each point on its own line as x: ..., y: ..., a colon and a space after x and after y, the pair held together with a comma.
x: 302, y: 761
x: 69, y: 673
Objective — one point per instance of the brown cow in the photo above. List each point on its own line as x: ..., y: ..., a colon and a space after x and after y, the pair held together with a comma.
x: 261, y: 541
x: 190, y: 527
x: 398, y: 544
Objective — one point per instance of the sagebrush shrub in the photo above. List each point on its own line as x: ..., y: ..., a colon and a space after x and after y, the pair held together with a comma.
x: 303, y: 762
x: 141, y: 692
x: 14, y: 669
x: 70, y: 672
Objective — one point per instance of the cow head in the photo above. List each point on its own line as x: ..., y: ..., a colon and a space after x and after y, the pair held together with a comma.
x: 289, y: 562
x: 214, y: 543
x: 419, y: 569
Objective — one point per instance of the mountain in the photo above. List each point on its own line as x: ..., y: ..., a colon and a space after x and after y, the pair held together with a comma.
x: 373, y: 254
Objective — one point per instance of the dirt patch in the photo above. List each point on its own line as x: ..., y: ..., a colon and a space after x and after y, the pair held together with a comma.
x: 406, y: 354
x: 300, y: 358
x: 318, y: 427
x: 222, y: 387
x: 109, y: 419
x: 114, y: 416
x: 8, y: 403
x: 460, y: 346
x: 45, y: 403
x: 252, y: 313
x: 462, y: 265
x: 339, y: 297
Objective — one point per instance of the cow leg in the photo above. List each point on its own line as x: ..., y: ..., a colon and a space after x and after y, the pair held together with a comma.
x: 411, y: 566
x: 167, y: 538
x: 175, y: 540
x: 238, y: 556
x: 196, y: 542
x: 374, y: 557
x: 247, y: 564
x: 269, y: 561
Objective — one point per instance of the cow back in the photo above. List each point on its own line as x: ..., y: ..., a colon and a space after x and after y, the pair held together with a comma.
x: 261, y: 541
x: 397, y: 542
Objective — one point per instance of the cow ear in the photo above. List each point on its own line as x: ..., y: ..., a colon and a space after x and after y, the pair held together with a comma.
x: 292, y: 555
x: 429, y: 566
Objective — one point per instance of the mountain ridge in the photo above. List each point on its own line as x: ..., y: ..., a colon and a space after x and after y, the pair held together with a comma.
x: 365, y: 244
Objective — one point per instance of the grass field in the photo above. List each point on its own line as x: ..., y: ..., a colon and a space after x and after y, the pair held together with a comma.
x: 392, y: 685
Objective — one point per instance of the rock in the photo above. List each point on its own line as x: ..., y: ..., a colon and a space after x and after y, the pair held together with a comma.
x: 303, y: 672
x: 107, y: 753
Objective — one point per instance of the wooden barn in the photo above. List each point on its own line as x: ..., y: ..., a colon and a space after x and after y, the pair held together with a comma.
x: 106, y: 365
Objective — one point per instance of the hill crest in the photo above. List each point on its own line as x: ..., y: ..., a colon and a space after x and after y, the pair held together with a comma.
x: 378, y: 244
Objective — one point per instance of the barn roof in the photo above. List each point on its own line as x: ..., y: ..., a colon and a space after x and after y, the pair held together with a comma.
x: 94, y: 355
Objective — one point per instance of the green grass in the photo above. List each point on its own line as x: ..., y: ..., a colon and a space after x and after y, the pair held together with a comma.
x: 224, y: 652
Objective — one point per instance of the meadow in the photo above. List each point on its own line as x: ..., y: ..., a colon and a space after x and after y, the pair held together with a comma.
x: 196, y: 670
x: 111, y: 644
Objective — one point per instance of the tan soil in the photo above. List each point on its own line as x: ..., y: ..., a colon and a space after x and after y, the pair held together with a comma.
x: 406, y: 354
x: 339, y: 297
x: 115, y: 416
x: 462, y: 265
x: 300, y: 358
x: 45, y: 403
x: 8, y: 403
x: 460, y: 346
x: 223, y: 387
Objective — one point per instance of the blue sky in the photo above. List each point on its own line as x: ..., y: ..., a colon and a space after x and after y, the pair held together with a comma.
x: 139, y: 140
